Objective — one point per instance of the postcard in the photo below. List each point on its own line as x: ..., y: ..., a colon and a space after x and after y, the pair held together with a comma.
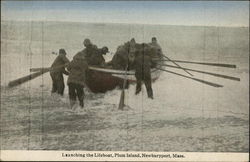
x: 124, y: 80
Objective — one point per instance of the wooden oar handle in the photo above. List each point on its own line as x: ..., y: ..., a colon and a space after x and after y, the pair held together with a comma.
x: 26, y: 78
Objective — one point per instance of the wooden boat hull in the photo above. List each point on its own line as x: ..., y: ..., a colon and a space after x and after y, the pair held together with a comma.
x: 101, y: 80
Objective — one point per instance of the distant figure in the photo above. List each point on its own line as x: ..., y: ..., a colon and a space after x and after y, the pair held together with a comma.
x: 58, y: 71
x: 143, y: 64
x: 155, y: 45
x: 77, y: 75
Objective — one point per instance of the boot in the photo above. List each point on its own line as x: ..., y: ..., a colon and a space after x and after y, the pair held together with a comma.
x: 81, y: 104
x: 150, y: 93
x: 137, y: 92
x: 151, y: 97
x: 138, y: 89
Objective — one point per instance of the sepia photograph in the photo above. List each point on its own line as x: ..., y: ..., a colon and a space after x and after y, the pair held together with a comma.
x: 115, y: 77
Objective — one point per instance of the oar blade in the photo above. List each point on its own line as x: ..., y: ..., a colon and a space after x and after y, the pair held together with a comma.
x: 216, y: 64
x: 208, y: 83
x: 121, y: 103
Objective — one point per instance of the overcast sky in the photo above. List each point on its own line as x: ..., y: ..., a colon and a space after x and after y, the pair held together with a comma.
x: 211, y: 13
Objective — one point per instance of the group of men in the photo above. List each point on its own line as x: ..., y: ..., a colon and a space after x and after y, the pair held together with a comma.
x: 76, y: 70
x: 131, y: 54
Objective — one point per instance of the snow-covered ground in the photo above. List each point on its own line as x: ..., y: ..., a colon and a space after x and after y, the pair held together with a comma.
x: 185, y: 115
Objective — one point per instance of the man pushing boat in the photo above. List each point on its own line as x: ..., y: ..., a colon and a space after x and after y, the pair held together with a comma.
x: 143, y: 64
x: 154, y: 44
x: 124, y: 55
x: 77, y: 78
x: 97, y: 58
x: 89, y: 49
x: 57, y: 74
x: 93, y: 54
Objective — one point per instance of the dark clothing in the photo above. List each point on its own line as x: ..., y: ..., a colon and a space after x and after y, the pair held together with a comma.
x: 88, y: 53
x: 90, y: 50
x: 76, y: 90
x: 57, y: 72
x: 77, y: 71
x: 143, y: 65
x: 96, y: 58
x: 57, y: 83
x: 58, y: 64
x: 77, y: 76
x: 157, y: 49
x: 80, y: 54
x: 120, y: 59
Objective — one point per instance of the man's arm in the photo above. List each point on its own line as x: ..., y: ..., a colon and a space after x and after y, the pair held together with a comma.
x: 65, y: 72
x: 68, y: 67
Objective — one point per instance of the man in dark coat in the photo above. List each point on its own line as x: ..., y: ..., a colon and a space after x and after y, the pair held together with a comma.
x: 156, y: 46
x: 143, y: 64
x: 97, y: 57
x: 124, y: 55
x: 58, y: 69
x: 77, y: 77
x: 89, y: 50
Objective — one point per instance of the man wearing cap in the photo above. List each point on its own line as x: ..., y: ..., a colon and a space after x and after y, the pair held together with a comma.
x: 58, y: 69
x: 156, y: 46
x: 143, y: 64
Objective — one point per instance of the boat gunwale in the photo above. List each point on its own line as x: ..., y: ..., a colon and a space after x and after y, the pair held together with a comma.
x: 118, y: 72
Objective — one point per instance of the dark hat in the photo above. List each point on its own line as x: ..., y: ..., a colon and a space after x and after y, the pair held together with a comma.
x: 154, y: 39
x: 105, y: 49
x: 87, y: 42
x: 62, y: 51
x: 132, y: 40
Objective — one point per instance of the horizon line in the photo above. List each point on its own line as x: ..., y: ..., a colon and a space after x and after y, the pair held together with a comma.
x: 126, y: 23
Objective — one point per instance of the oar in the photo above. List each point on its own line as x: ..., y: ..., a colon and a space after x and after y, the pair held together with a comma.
x: 198, y: 80
x: 48, y: 68
x: 122, y: 98
x: 202, y: 63
x: 176, y: 64
x: 38, y: 72
x: 204, y: 72
x: 39, y: 69
x: 26, y: 78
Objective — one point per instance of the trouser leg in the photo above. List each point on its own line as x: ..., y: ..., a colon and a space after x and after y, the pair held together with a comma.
x: 148, y: 86
x: 138, y: 86
x: 54, y: 85
x: 80, y: 95
x: 60, y: 85
x: 72, y: 94
x: 54, y: 88
x: 139, y: 77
